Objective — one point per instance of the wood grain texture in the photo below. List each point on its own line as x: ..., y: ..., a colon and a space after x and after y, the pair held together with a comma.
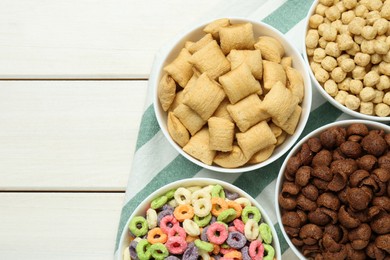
x: 68, y: 135
x: 58, y: 225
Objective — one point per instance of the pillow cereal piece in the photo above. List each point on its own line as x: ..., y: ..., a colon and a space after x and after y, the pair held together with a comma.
x: 273, y: 72
x: 177, y: 130
x: 198, y: 147
x: 295, y: 83
x: 281, y: 138
x: 239, y: 83
x: 215, y: 26
x: 247, y: 112
x: 276, y: 130
x: 256, y: 138
x: 252, y: 58
x: 280, y: 103
x: 166, y: 91
x: 262, y: 155
x: 180, y: 69
x: 205, y: 97
x: 286, y: 62
x: 189, y: 118
x: 292, y: 122
x: 177, y: 101
x: 222, y: 111
x: 196, y: 46
x: 237, y: 36
x: 271, y: 49
x: 232, y: 159
x: 191, y: 84
x: 211, y: 60
x: 221, y: 134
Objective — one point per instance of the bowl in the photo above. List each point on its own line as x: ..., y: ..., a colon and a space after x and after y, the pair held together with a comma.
x: 194, y: 182
x: 297, y: 148
x: 171, y: 51
x: 320, y: 88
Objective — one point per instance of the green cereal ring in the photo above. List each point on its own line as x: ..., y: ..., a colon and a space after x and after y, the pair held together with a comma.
x: 158, y: 251
x: 159, y: 202
x: 250, y: 211
x: 265, y: 233
x: 217, y: 191
x: 170, y: 194
x: 270, y: 251
x: 138, y: 226
x: 225, y: 246
x: 206, y: 246
x: 228, y: 215
x: 143, y: 249
x: 202, y: 221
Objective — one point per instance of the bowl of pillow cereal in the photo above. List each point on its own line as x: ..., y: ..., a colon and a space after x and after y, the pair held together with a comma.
x: 231, y: 95
x: 347, y: 48
x: 199, y: 217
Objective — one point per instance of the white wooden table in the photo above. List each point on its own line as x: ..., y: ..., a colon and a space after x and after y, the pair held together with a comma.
x: 73, y: 83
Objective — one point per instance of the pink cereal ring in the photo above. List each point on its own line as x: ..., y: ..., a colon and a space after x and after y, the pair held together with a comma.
x: 256, y: 250
x: 167, y: 223
x: 225, y: 251
x: 217, y: 233
x: 239, y: 225
x: 177, y: 230
x: 176, y: 245
x: 232, y: 228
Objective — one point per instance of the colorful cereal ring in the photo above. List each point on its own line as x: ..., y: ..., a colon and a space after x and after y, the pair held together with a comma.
x: 182, y: 196
x: 200, y: 194
x: 183, y: 211
x: 265, y: 233
x: 245, y: 253
x: 269, y: 252
x: 203, y: 245
x: 138, y: 226
x: 170, y: 194
x: 236, y: 255
x: 191, y: 228
x: 256, y: 250
x: 158, y: 251
x: 236, y: 240
x: 176, y: 245
x: 250, y: 212
x: 156, y: 235
x: 218, y: 205
x: 167, y: 223
x: 217, y: 191
x: 191, y: 253
x: 202, y: 221
x: 202, y: 207
x: 159, y: 202
x: 151, y: 218
x: 217, y: 233
x: 239, y: 225
x: 251, y: 230
x: 177, y: 231
x: 227, y: 215
x: 142, y: 249
x: 237, y: 207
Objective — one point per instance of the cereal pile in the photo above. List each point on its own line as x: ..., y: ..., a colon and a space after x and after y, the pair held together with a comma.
x: 208, y: 222
x: 231, y: 99
x: 348, y: 45
x: 335, y: 198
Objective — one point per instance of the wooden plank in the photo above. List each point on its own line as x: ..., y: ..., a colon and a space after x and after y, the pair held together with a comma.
x: 68, y: 135
x: 59, y: 225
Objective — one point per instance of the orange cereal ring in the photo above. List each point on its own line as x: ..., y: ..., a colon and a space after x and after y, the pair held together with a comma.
x: 236, y: 255
x: 216, y: 249
x: 156, y: 235
x: 183, y: 212
x: 218, y: 205
x: 237, y: 207
x: 190, y: 239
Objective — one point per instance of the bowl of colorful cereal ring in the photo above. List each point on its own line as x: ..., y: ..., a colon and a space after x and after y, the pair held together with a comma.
x: 332, y: 193
x: 199, y: 217
x: 231, y: 95
x: 346, y: 47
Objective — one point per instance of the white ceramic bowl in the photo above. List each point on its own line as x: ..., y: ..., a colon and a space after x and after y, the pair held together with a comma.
x: 318, y: 86
x: 260, y: 29
x: 141, y: 209
x: 295, y: 149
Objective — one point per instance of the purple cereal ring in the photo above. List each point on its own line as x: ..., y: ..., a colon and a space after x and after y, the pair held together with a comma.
x: 168, y: 207
x: 217, y: 233
x: 231, y: 195
x: 167, y: 223
x: 133, y: 253
x: 236, y: 240
x: 191, y: 253
x: 176, y: 245
x: 256, y: 250
x: 177, y: 230
x: 203, y: 235
x: 162, y: 214
x: 245, y: 253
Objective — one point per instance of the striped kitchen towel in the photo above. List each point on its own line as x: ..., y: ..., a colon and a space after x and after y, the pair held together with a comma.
x: 157, y: 163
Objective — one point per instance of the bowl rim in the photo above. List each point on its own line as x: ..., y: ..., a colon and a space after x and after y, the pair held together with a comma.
x: 318, y: 86
x: 280, y: 178
x: 200, y: 181
x: 157, y: 73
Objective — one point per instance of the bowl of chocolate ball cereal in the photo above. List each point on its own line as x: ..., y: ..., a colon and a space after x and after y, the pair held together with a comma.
x: 199, y: 218
x: 332, y: 194
x: 346, y: 46
x: 231, y: 95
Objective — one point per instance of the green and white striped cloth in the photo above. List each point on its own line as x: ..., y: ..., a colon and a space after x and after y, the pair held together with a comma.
x: 156, y: 163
